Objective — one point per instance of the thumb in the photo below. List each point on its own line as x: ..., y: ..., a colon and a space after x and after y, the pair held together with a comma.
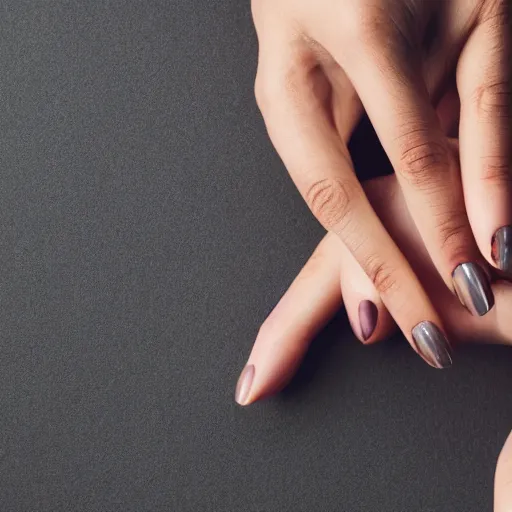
x: 503, y: 485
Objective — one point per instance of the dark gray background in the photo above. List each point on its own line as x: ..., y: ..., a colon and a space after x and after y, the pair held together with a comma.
x: 147, y: 227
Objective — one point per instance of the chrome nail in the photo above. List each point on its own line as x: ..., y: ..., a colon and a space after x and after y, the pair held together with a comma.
x: 473, y: 288
x: 432, y: 345
x: 502, y: 249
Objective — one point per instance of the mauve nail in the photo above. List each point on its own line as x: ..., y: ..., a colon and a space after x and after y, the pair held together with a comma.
x: 432, y: 345
x: 243, y: 386
x: 368, y: 315
x: 502, y: 249
x: 473, y: 288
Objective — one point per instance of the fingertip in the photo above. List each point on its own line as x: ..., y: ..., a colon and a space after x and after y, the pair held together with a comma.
x: 243, y: 386
x: 501, y: 249
x: 368, y: 318
x: 257, y: 383
x: 277, y: 352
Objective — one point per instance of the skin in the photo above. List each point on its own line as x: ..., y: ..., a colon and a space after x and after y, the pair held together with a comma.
x: 322, y: 61
x: 316, y: 295
x: 503, y: 485
x: 396, y: 241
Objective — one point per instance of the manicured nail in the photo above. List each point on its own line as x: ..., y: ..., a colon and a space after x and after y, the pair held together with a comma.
x: 243, y: 386
x: 432, y: 345
x: 368, y: 315
x: 473, y: 288
x: 502, y: 249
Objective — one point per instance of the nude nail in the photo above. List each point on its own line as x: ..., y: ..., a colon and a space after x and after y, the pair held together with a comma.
x: 243, y: 386
x: 432, y: 345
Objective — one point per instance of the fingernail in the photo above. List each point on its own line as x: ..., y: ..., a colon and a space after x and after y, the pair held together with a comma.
x: 502, y: 249
x: 243, y: 386
x: 473, y: 288
x: 368, y: 315
x: 432, y: 345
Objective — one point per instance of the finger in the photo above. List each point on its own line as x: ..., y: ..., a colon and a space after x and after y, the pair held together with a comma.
x: 503, y: 481
x: 320, y: 166
x: 307, y: 306
x: 448, y: 111
x: 484, y: 86
x: 310, y: 302
x: 368, y: 316
x: 411, y: 134
x: 494, y: 328
x: 388, y: 201
x: 503, y: 292
x: 315, y: 296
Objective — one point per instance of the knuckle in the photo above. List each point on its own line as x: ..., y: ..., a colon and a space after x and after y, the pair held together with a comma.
x: 423, y: 163
x: 330, y: 200
x: 496, y: 172
x: 382, y: 275
x: 267, y: 89
x: 451, y: 229
x: 493, y: 101
x: 274, y: 84
x: 381, y: 33
x: 495, y: 12
x: 364, y: 24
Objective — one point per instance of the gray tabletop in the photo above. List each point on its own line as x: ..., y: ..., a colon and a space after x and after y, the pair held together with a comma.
x: 147, y: 227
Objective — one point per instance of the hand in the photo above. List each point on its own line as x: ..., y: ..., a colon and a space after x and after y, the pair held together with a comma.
x: 503, y: 487
x: 316, y: 295
x: 321, y: 61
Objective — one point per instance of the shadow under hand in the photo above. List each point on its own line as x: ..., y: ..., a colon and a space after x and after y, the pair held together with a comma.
x: 327, y: 351
x: 370, y: 159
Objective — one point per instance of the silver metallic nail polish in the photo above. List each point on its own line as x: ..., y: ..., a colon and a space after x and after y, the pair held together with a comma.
x: 502, y: 249
x: 432, y: 345
x: 473, y: 288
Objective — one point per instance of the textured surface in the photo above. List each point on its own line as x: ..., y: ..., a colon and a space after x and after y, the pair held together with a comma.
x: 147, y: 228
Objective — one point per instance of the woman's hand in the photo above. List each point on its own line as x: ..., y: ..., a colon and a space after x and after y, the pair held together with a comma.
x: 321, y: 61
x: 316, y: 295
x: 503, y: 490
